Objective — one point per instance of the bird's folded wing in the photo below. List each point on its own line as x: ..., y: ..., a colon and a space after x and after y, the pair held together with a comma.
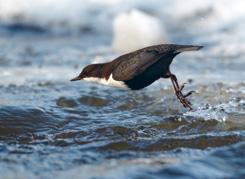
x: 134, y: 66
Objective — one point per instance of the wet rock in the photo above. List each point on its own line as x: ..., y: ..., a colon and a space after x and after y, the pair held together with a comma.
x: 64, y: 102
x: 93, y: 101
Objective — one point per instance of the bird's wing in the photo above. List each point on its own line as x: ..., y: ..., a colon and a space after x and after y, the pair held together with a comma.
x: 127, y: 69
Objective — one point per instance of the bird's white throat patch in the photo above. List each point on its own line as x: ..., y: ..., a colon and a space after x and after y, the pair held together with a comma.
x: 110, y: 81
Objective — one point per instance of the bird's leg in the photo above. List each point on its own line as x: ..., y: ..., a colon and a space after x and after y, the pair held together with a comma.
x: 178, y: 91
x: 176, y: 88
x: 179, y: 94
x: 181, y: 87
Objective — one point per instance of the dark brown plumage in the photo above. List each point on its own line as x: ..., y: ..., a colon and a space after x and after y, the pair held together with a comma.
x: 141, y: 68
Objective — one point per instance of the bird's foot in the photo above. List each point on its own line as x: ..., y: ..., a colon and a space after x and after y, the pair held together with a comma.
x: 184, y: 101
x: 187, y: 94
x: 178, y: 91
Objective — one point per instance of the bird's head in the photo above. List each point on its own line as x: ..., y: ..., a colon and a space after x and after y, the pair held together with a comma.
x: 92, y: 70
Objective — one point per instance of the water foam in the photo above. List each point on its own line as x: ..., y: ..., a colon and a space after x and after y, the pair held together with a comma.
x: 136, y: 30
x: 66, y: 14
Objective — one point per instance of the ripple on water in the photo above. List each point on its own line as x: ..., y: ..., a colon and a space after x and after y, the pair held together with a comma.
x: 94, y: 120
x: 21, y: 123
x: 170, y: 143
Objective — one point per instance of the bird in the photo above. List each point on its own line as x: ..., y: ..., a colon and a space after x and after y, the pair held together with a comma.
x: 140, y: 68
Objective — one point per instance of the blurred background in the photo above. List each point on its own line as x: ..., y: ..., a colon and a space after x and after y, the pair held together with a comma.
x: 49, y: 126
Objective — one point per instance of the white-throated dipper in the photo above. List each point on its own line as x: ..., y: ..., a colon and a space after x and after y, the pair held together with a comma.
x: 141, y: 68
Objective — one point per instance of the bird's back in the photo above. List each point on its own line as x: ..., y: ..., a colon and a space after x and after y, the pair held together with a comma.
x: 142, y: 67
x: 162, y: 49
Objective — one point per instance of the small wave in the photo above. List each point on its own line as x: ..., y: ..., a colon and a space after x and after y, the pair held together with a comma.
x: 168, y: 143
x: 22, y: 28
x: 20, y: 124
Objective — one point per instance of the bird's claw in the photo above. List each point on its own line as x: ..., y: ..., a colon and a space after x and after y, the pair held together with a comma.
x: 182, y: 98
x: 188, y: 94
x: 182, y: 86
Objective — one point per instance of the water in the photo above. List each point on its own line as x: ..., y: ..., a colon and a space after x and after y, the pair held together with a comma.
x: 50, y: 126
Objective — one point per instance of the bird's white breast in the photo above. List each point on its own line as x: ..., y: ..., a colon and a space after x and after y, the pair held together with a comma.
x: 110, y: 81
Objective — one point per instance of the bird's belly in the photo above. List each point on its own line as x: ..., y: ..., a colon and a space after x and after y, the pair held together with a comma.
x: 140, y: 82
x: 146, y: 78
x: 109, y: 82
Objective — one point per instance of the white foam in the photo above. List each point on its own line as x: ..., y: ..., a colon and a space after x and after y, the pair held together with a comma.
x: 21, y: 76
x: 209, y: 15
x: 107, y: 2
x: 219, y: 112
x: 208, y: 20
x: 136, y: 30
x: 62, y: 15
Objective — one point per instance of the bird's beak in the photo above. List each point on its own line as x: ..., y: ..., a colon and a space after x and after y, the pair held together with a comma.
x: 76, y: 78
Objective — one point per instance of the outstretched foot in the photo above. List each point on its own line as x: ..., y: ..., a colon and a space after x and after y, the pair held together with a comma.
x: 178, y: 91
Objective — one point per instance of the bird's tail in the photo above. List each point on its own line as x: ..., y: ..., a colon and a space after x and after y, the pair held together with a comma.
x: 183, y: 48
